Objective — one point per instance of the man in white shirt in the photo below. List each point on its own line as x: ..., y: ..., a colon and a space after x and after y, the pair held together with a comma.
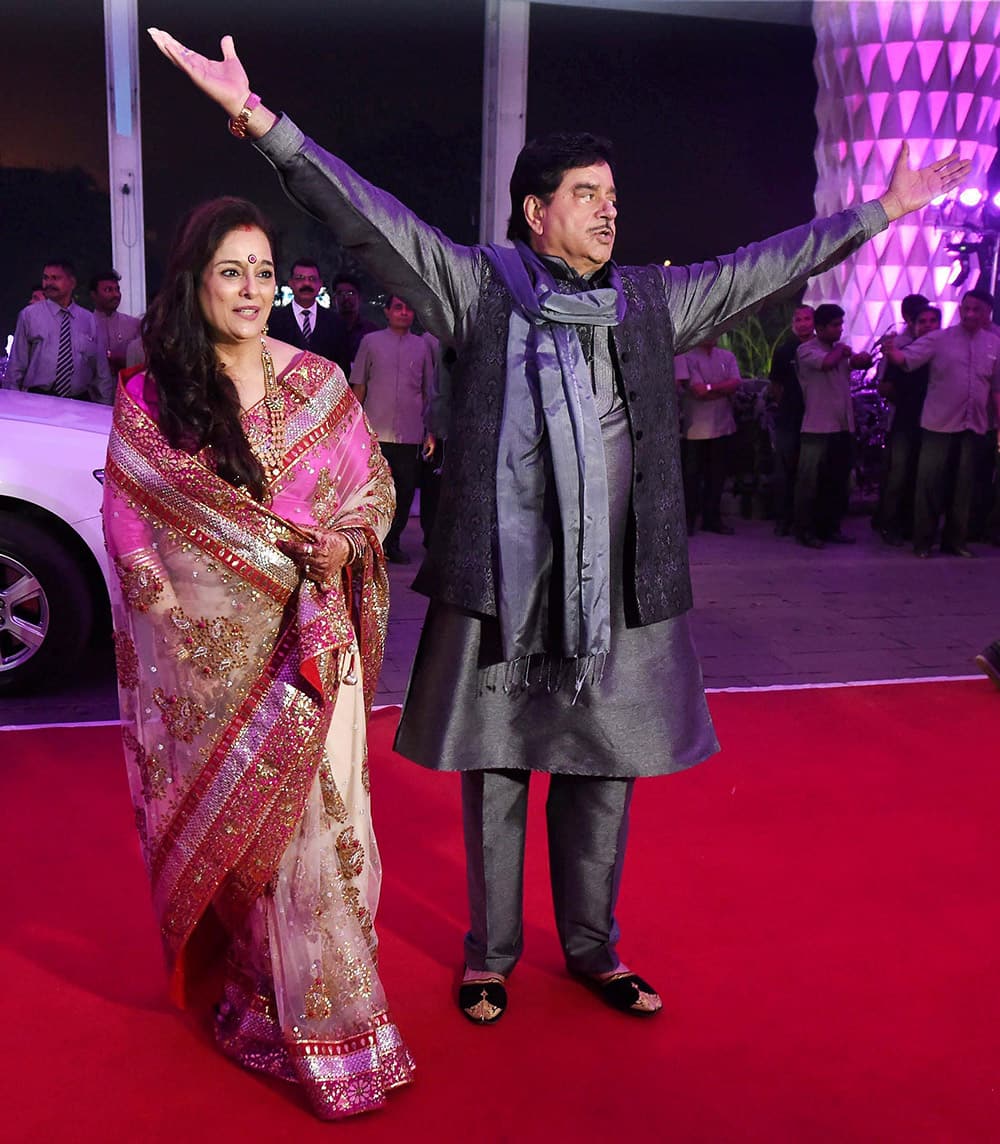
x: 393, y: 378
x: 964, y: 382
x: 822, y: 486
x: 710, y: 377
x: 119, y: 329
x: 58, y: 348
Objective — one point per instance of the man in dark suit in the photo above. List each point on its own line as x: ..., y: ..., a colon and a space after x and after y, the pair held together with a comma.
x: 304, y: 323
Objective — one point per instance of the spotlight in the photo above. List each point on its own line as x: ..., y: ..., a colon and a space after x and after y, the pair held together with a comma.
x: 939, y: 200
x: 971, y: 197
x: 996, y: 200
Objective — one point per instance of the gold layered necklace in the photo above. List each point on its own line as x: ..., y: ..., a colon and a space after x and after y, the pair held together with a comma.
x: 272, y: 451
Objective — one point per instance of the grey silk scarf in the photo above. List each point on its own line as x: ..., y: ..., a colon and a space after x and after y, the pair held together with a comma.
x: 554, y: 591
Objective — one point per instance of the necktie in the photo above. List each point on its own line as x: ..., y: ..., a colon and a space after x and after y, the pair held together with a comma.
x: 306, y: 326
x: 63, y: 386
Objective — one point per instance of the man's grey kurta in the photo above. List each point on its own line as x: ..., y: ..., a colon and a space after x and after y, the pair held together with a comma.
x: 466, y: 709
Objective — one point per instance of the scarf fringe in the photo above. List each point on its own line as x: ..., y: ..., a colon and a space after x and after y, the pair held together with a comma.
x: 542, y: 671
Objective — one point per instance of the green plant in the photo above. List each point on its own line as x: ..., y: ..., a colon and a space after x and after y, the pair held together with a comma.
x: 756, y: 337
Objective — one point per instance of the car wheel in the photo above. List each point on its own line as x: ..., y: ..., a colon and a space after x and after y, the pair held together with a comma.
x: 46, y: 608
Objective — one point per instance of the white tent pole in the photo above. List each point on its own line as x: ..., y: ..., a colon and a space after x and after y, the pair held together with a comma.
x: 128, y: 248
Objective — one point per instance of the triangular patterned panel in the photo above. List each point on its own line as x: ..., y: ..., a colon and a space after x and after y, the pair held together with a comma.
x: 866, y: 56
x: 958, y: 54
x: 911, y: 78
x: 909, y: 102
x: 933, y: 64
x: 902, y: 24
x: 955, y: 18
x: 862, y: 151
x: 881, y: 80
x: 895, y: 60
x: 937, y: 101
x: 964, y: 101
x: 986, y: 59
x: 878, y: 102
x: 947, y: 90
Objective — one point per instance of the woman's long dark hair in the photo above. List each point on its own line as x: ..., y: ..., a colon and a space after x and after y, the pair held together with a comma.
x: 198, y: 403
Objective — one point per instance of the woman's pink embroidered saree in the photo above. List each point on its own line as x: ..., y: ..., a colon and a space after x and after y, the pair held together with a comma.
x: 244, y: 694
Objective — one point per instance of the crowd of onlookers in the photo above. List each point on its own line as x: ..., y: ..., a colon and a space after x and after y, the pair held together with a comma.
x: 62, y: 349
x: 940, y: 480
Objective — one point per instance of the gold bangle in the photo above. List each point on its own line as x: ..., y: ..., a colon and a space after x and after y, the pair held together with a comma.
x: 238, y: 126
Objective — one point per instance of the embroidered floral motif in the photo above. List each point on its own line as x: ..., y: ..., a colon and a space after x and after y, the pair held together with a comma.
x: 352, y: 897
x: 126, y: 661
x: 350, y: 853
x: 266, y: 771
x: 318, y: 1005
x: 366, y: 781
x: 332, y: 801
x: 182, y: 717
x: 325, y: 501
x: 152, y: 774
x: 216, y: 646
x: 141, y: 586
x: 382, y: 502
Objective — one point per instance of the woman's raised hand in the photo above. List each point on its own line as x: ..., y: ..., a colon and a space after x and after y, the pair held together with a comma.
x: 223, y: 80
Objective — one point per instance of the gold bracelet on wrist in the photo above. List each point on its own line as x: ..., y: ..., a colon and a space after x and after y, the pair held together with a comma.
x: 238, y: 126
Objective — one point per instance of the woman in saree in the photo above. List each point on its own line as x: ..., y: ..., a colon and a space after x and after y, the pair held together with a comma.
x: 245, y: 504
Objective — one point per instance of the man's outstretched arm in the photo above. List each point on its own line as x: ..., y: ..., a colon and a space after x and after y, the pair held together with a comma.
x: 711, y: 295
x: 407, y: 256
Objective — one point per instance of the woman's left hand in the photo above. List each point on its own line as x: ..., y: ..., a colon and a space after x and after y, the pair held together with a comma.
x: 322, y: 558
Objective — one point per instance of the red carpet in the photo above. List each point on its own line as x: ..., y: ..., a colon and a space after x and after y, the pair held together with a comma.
x: 818, y: 906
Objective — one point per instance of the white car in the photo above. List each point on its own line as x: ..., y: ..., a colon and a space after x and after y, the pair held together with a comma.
x: 53, y: 565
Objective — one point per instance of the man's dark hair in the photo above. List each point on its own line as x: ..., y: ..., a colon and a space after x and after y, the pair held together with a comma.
x: 305, y: 260
x: 63, y: 264
x: 104, y: 276
x: 911, y: 306
x: 350, y: 279
x: 930, y: 310
x: 826, y: 313
x: 540, y: 168
x: 980, y: 296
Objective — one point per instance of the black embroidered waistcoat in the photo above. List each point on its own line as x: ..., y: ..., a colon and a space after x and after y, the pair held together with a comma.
x: 461, y: 566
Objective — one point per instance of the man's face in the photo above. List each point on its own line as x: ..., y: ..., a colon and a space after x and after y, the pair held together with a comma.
x: 38, y: 295
x: 306, y: 283
x: 107, y: 297
x: 399, y: 315
x: 58, y: 285
x: 973, y: 314
x: 830, y: 333
x: 802, y: 323
x: 578, y: 223
x: 927, y: 320
x: 347, y: 299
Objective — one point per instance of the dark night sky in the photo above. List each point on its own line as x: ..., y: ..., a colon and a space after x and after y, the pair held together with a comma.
x: 712, y: 120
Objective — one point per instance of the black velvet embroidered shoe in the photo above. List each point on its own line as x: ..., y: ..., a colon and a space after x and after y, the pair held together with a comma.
x: 483, y: 1002
x: 988, y: 661
x: 629, y: 993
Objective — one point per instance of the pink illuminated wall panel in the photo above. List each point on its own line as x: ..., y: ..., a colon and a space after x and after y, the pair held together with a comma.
x: 923, y: 70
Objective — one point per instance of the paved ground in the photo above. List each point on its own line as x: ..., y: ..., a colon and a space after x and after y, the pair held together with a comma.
x: 767, y: 612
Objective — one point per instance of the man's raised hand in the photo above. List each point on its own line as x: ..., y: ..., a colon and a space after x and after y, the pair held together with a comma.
x: 223, y: 80
x: 910, y: 190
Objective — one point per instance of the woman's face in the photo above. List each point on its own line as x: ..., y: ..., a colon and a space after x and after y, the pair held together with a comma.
x: 237, y: 287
